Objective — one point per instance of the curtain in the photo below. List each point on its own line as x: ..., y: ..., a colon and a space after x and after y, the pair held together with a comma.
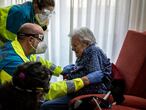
x: 108, y: 19
x: 138, y: 15
x: 4, y: 3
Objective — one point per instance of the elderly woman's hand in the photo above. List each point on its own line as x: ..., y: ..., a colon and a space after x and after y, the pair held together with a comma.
x: 95, y: 77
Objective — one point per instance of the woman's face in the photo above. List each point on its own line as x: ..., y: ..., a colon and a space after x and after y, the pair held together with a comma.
x: 77, y: 46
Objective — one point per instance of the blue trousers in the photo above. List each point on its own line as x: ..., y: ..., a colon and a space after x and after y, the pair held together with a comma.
x: 56, y: 104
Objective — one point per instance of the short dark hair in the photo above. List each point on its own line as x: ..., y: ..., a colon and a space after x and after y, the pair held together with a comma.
x: 32, y: 75
x: 44, y: 3
x: 14, y: 95
x: 50, y: 2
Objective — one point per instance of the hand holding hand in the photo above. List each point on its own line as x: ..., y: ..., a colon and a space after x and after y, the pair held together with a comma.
x: 68, y: 69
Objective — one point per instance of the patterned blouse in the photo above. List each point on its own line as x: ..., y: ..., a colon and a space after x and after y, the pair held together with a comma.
x: 92, y: 59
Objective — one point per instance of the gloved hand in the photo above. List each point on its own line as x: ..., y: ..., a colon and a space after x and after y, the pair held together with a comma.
x: 68, y: 69
x: 95, y: 77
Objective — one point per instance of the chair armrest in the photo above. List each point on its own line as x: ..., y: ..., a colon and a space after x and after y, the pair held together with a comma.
x: 134, y: 101
x: 84, y: 96
x: 130, y: 101
x: 120, y: 107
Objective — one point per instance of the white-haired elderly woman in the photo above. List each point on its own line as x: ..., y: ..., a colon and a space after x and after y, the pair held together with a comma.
x: 90, y: 58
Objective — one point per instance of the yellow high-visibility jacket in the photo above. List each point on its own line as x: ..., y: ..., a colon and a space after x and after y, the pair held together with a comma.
x: 12, y: 54
x: 12, y: 17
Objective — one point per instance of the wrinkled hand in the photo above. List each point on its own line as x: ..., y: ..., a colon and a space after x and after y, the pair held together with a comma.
x: 68, y: 69
x: 95, y: 77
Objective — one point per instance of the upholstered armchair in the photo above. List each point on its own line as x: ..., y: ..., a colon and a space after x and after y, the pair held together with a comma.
x: 132, y: 65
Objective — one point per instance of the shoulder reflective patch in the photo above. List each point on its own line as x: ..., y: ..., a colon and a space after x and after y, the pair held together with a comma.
x: 38, y: 58
x: 52, y: 67
x: 70, y: 86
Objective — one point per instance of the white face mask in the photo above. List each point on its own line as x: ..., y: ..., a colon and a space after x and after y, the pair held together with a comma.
x: 41, y: 48
x: 42, y: 19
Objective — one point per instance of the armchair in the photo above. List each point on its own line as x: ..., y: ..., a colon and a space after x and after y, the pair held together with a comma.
x: 132, y: 65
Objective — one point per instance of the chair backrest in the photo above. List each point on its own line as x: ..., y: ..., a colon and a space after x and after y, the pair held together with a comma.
x: 132, y: 63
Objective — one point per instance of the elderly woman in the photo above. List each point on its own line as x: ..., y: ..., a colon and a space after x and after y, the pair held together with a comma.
x: 89, y: 58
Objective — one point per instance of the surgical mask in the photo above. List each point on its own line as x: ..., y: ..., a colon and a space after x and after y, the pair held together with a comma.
x: 41, y: 48
x: 42, y: 19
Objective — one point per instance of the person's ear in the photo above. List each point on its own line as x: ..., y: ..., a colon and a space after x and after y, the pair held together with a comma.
x: 30, y: 39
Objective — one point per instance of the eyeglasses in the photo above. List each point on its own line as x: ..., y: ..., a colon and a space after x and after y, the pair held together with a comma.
x: 48, y: 12
x: 38, y: 36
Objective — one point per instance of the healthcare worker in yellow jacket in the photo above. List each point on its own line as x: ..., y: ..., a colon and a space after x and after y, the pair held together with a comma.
x: 12, y: 17
x: 29, y: 42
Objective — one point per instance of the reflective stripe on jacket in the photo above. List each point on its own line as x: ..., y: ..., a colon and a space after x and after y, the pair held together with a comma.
x: 12, y: 17
x: 4, y: 33
x: 55, y: 69
x: 62, y: 88
x: 4, y: 76
x: 57, y: 89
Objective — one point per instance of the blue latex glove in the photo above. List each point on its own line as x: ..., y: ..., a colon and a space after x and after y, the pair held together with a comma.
x: 95, y: 77
x: 68, y: 69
